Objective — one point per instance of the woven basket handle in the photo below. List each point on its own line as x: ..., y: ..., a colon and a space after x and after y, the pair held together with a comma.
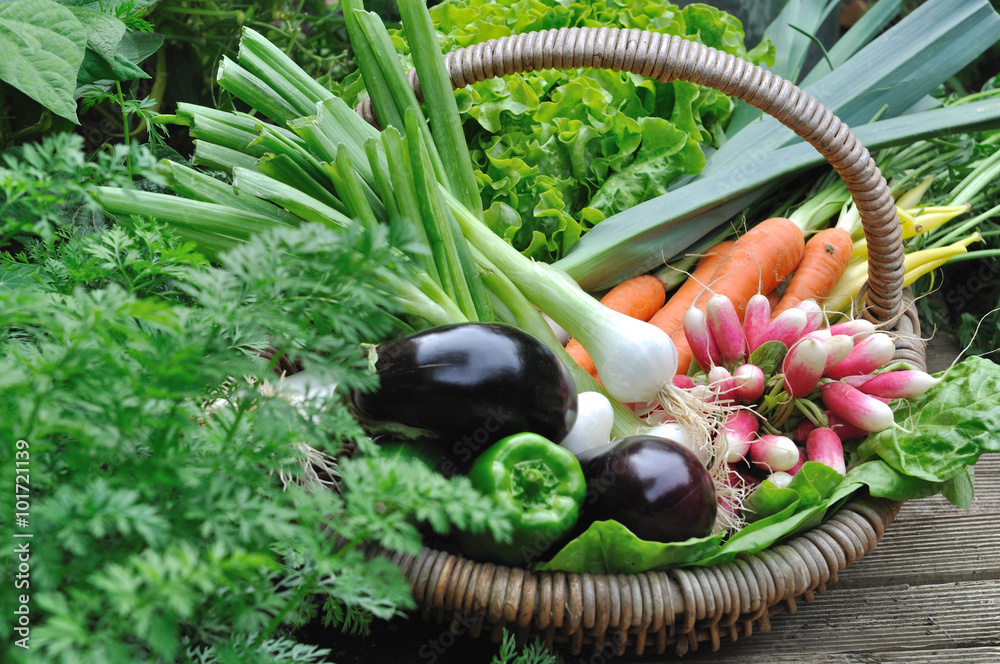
x: 667, y: 58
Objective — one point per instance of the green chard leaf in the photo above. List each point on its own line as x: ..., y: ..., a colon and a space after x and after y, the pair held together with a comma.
x: 608, y: 547
x: 947, y: 428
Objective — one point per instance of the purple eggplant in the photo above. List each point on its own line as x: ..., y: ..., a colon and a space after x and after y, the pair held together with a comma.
x: 653, y: 486
x: 471, y: 384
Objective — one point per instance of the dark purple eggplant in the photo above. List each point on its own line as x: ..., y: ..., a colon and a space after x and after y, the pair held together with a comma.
x: 653, y: 486
x: 470, y: 385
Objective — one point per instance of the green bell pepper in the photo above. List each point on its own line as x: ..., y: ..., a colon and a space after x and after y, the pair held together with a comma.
x: 539, y: 484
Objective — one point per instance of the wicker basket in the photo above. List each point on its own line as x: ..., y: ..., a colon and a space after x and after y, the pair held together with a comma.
x: 680, y: 608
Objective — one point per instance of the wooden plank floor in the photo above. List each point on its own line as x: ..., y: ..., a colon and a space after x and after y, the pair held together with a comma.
x: 930, y: 592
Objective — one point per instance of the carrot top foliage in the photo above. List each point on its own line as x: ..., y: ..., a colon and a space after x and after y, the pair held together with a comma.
x: 168, y: 521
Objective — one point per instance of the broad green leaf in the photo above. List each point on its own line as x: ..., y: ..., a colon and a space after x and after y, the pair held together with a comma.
x: 104, y: 31
x: 95, y: 69
x: 41, y: 49
x: 667, y: 151
x: 873, y: 21
x: 608, y: 547
x: 960, y: 490
x: 137, y: 46
x: 810, y: 486
x: 947, y: 428
x: 762, y: 534
x: 887, y: 76
x: 884, y: 481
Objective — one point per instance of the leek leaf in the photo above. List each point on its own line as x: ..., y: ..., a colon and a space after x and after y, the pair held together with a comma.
x: 657, y: 230
x: 887, y: 76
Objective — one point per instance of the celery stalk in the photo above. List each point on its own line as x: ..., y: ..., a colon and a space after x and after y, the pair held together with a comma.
x: 220, y: 158
x: 182, y: 212
x: 333, y: 125
x: 458, y: 274
x: 235, y: 138
x: 405, y: 193
x: 396, y: 82
x: 383, y: 188
x: 350, y: 187
x: 372, y: 72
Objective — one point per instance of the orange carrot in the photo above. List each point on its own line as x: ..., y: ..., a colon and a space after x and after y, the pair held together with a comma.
x: 671, y: 316
x: 760, y: 260
x: 823, y: 263
x: 639, y: 297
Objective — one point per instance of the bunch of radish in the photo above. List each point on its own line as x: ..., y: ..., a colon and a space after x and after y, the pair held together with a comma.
x: 832, y: 383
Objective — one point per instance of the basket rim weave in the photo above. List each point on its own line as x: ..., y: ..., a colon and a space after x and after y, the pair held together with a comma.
x: 683, y: 607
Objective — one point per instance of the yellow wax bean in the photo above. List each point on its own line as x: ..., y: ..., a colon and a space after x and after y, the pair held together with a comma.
x: 915, y: 265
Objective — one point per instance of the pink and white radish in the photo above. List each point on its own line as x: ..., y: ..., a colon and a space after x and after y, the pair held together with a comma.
x: 703, y: 347
x: 825, y: 447
x: 822, y: 334
x: 855, y: 407
x: 722, y: 383
x: 838, y: 347
x: 867, y: 355
x: 798, y: 464
x: 857, y: 381
x: 802, y: 430
x: 741, y: 428
x: 786, y: 327
x: 803, y: 366
x: 815, y: 318
x: 843, y: 429
x: 683, y: 381
x: 780, y: 479
x: 725, y: 328
x: 899, y: 384
x: 856, y: 328
x: 756, y: 318
x: 772, y: 453
x: 750, y: 382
